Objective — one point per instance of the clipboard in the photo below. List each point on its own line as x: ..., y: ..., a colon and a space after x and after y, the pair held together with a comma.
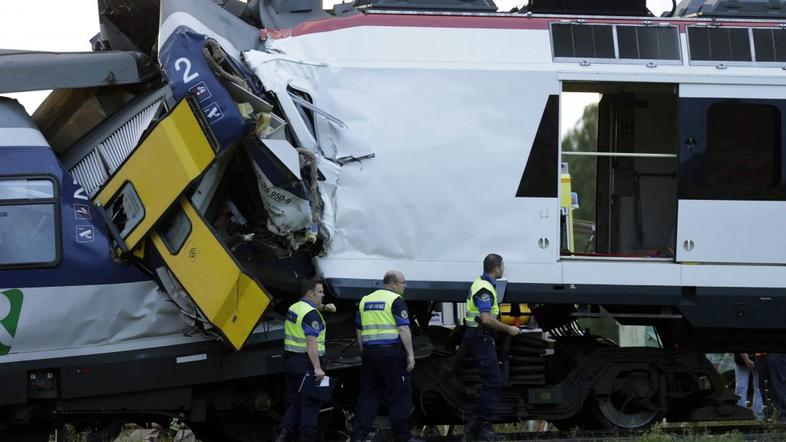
x: 320, y: 391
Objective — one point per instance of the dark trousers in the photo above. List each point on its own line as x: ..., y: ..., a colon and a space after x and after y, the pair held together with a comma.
x: 482, y: 349
x: 776, y: 364
x: 384, y: 372
x: 302, y: 411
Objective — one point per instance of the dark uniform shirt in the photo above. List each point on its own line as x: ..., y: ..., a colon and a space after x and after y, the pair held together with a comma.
x: 483, y: 298
x: 312, y: 323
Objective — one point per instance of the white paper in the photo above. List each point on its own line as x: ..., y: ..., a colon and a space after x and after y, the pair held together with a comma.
x: 325, y: 382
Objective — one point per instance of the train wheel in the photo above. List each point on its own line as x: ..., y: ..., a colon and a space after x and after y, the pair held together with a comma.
x: 631, y: 403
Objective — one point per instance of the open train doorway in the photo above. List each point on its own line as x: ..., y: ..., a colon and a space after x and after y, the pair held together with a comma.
x: 618, y: 186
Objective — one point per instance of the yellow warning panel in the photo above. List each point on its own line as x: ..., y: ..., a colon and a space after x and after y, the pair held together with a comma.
x: 566, y: 208
x: 514, y: 314
x: 173, y: 155
x: 228, y: 298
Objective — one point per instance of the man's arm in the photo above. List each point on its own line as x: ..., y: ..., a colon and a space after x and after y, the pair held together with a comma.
x: 492, y: 322
x: 358, y: 330
x: 313, y: 356
x: 747, y: 360
x: 406, y: 339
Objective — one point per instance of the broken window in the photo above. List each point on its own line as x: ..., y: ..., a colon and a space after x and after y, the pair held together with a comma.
x: 126, y: 210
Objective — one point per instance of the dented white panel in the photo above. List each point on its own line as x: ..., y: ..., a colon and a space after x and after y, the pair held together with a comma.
x: 116, y: 316
x: 451, y: 133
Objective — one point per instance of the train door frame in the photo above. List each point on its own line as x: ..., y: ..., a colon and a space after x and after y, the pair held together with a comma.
x: 727, y: 214
x: 639, y: 95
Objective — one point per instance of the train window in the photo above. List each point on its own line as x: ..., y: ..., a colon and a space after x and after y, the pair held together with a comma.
x: 28, y: 222
x: 648, y: 42
x: 540, y: 172
x: 719, y: 44
x: 126, y: 210
x: 174, y: 229
x: 770, y: 44
x: 582, y: 41
x: 743, y: 146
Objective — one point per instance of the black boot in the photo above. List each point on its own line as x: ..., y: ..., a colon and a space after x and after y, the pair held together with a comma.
x: 484, y: 433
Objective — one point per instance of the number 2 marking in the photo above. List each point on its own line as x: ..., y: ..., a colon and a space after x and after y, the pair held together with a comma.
x: 187, y: 75
x: 79, y: 193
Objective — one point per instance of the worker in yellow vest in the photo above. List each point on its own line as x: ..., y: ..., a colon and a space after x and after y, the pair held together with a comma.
x: 480, y: 321
x: 304, y: 345
x: 385, y: 342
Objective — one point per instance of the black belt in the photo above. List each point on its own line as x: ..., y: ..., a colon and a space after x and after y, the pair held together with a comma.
x: 476, y: 332
x: 292, y: 354
x: 382, y: 346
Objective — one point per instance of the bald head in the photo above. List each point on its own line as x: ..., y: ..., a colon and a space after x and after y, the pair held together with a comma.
x: 394, y: 281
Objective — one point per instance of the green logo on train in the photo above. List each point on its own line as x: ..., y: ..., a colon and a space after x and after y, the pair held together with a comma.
x: 11, y: 320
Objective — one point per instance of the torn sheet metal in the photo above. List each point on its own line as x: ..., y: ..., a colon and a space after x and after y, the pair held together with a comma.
x: 203, y: 17
x: 138, y: 311
x: 277, y: 168
x: 278, y: 81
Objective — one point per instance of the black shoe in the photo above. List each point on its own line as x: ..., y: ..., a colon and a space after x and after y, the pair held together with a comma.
x: 484, y: 435
x: 284, y: 436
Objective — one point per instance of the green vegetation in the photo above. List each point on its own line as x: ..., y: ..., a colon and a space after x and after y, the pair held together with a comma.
x: 583, y: 137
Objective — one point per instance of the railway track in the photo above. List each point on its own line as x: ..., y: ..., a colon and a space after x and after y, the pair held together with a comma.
x: 753, y: 432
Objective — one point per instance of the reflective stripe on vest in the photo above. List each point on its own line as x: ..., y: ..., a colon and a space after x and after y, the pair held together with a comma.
x: 294, y: 337
x: 472, y: 317
x: 376, y: 317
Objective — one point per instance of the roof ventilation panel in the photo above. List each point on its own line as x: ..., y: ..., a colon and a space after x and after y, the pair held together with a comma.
x: 733, y: 8
x: 430, y: 5
x: 636, y: 8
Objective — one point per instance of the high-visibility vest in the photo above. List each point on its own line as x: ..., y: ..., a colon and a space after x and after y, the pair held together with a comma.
x: 472, y: 318
x: 294, y: 336
x: 376, y: 317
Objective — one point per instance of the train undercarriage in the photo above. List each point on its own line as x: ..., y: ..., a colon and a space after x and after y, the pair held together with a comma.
x: 568, y: 377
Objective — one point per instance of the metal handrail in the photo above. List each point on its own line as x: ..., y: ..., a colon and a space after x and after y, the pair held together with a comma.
x: 620, y: 154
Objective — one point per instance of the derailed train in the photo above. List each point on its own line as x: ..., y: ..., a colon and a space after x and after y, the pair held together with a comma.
x: 157, y: 211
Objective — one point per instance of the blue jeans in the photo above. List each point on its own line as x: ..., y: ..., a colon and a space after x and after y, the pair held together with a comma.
x: 482, y: 350
x: 776, y: 363
x: 742, y: 375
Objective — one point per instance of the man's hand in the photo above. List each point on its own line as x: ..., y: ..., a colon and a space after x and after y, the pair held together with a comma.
x: 319, y: 374
x: 513, y: 330
x: 410, y: 362
x: 329, y: 308
x: 747, y: 360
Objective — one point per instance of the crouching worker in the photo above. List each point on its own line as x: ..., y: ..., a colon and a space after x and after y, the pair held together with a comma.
x: 304, y: 344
